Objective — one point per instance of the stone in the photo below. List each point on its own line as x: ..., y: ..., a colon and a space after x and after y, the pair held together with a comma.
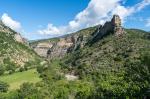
x: 113, y: 26
x: 20, y: 39
x: 117, y: 28
x: 70, y: 77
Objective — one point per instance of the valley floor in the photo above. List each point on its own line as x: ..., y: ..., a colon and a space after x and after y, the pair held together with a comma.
x: 16, y: 79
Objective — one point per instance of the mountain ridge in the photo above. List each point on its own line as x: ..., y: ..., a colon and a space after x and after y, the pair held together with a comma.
x: 59, y: 46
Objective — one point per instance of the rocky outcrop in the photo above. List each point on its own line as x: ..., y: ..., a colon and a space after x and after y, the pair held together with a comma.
x: 71, y: 77
x: 17, y: 36
x: 58, y: 48
x: 114, y: 27
x: 52, y: 49
x: 20, y: 39
x: 69, y: 43
x: 116, y: 23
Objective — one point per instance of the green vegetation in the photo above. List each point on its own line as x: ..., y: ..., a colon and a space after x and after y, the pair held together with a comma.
x: 112, y: 67
x: 2, y: 70
x: 116, y: 67
x: 14, y: 54
x: 3, y: 86
x: 16, y: 79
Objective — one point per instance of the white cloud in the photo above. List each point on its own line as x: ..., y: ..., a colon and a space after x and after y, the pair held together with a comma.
x: 124, y: 12
x: 141, y: 5
x: 8, y: 21
x: 97, y: 12
x: 148, y: 23
x: 50, y: 30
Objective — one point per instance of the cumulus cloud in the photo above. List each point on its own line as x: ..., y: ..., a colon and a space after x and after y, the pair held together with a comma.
x: 50, y: 30
x: 8, y: 21
x: 97, y: 12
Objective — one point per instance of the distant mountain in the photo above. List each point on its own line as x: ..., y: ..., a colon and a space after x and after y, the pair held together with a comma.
x: 15, y: 50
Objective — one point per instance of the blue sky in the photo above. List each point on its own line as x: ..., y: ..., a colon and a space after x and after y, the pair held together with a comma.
x: 38, y: 19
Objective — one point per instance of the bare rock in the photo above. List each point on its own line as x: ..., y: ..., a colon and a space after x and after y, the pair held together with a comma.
x: 71, y: 77
x: 20, y: 39
x: 113, y: 26
x: 117, y: 28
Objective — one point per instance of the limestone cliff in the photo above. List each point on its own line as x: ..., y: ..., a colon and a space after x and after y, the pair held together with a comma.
x: 114, y: 27
x: 58, y: 47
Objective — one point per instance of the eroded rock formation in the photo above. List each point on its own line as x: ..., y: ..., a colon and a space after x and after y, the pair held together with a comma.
x: 69, y: 43
x: 58, y: 48
x: 116, y: 22
x: 20, y: 39
x: 114, y: 27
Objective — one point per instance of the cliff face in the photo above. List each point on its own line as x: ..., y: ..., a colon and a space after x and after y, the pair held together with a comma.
x: 69, y: 43
x: 20, y: 39
x: 58, y: 47
x: 114, y: 26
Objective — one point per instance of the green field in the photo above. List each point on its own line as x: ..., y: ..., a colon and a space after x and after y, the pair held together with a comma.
x: 16, y: 79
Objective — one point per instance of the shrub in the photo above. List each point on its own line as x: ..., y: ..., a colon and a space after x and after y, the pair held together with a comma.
x: 2, y: 70
x: 21, y: 69
x: 28, y: 91
x: 3, y: 86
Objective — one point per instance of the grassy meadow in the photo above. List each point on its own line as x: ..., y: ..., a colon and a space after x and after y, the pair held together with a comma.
x: 16, y: 79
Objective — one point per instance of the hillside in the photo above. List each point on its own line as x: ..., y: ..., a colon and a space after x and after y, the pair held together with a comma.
x: 115, y: 65
x: 15, y: 52
x: 114, y: 62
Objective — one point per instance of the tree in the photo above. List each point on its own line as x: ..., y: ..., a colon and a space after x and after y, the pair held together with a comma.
x: 2, y: 70
x: 40, y: 69
x: 3, y: 86
x: 10, y: 66
x: 29, y: 91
